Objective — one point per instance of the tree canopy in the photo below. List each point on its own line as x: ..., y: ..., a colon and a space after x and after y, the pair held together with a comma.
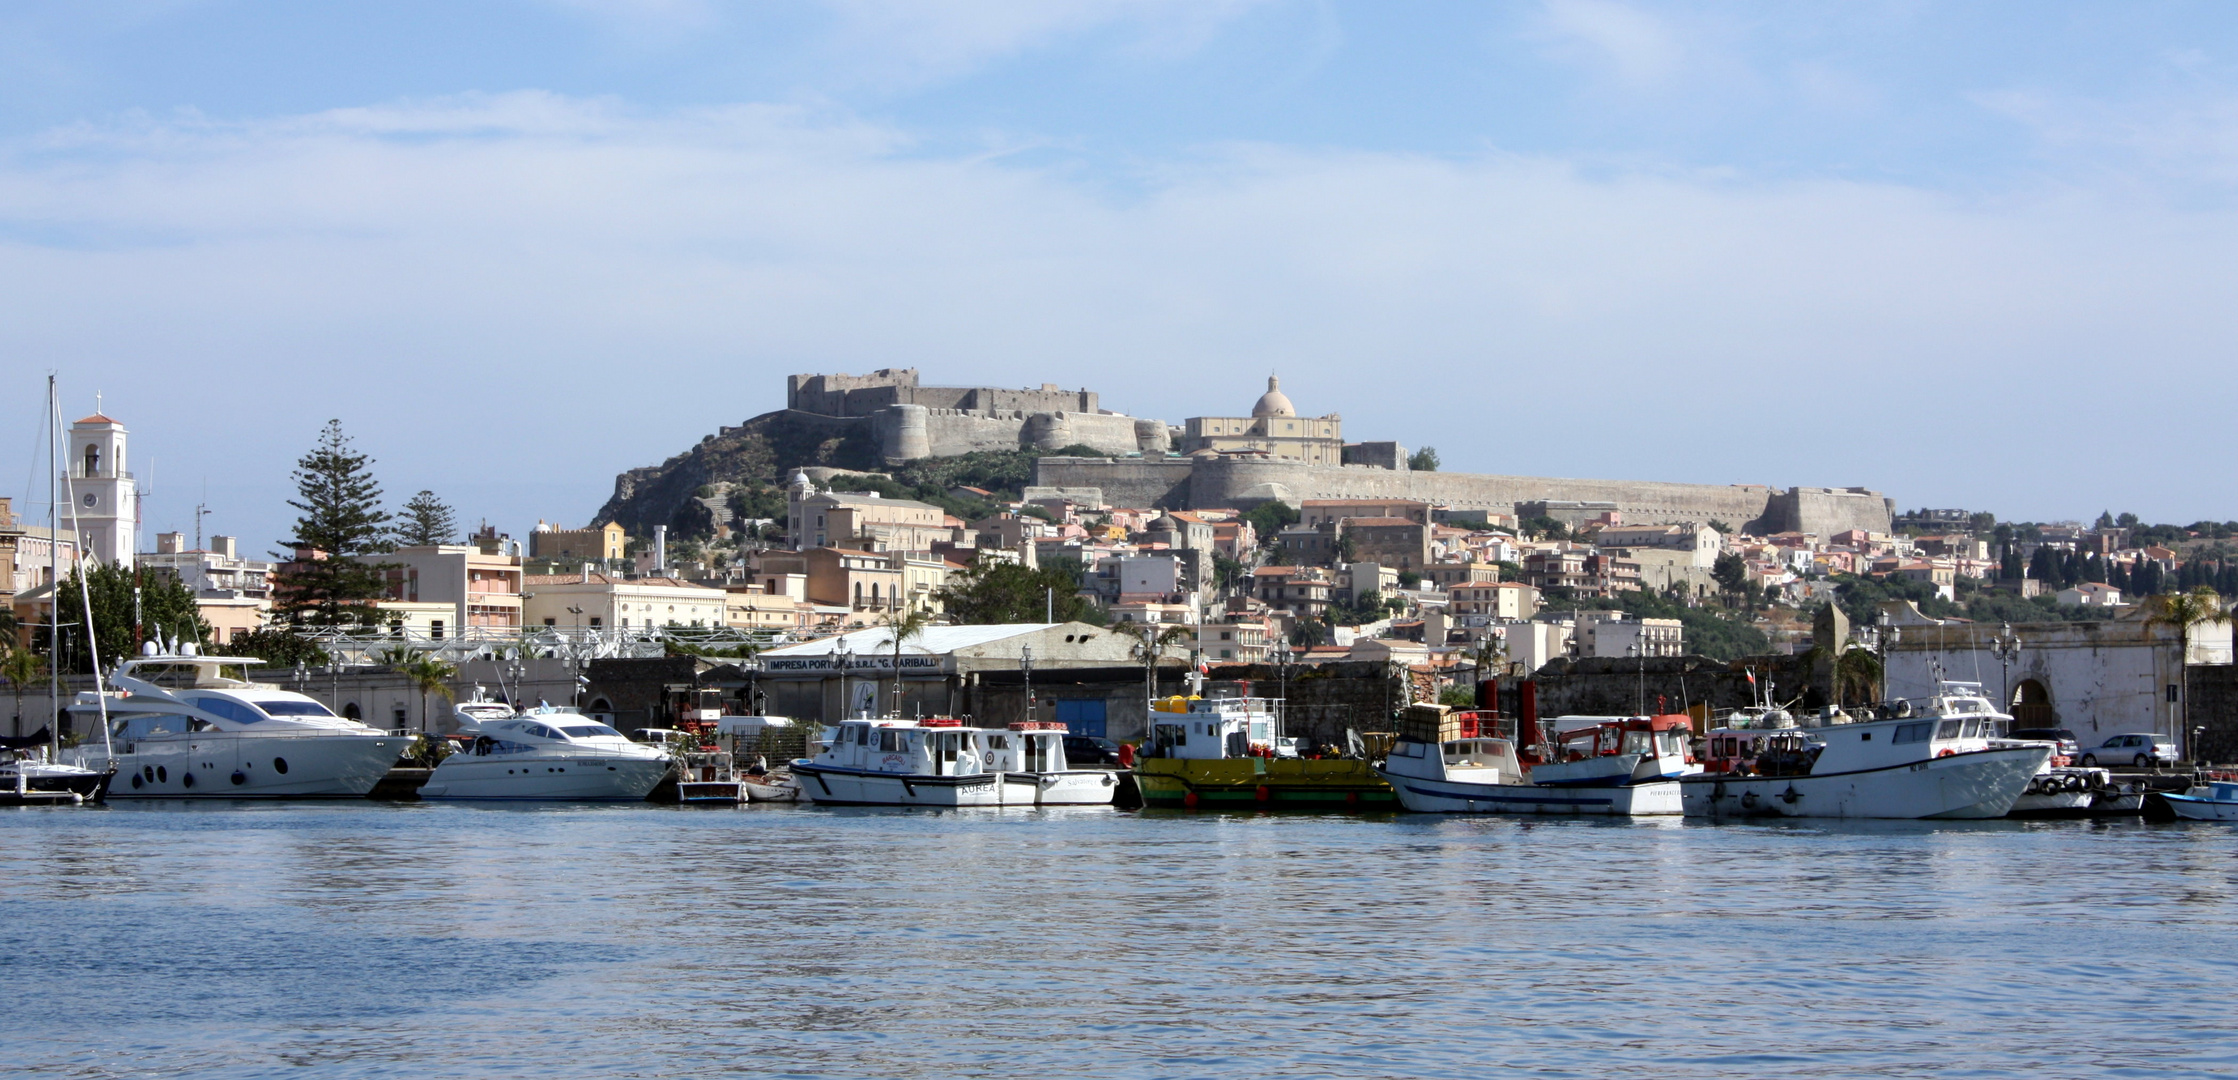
x: 340, y: 503
x: 993, y: 590
x: 164, y: 606
x: 426, y: 521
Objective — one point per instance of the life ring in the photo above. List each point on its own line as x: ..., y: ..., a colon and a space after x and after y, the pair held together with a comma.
x: 1946, y: 752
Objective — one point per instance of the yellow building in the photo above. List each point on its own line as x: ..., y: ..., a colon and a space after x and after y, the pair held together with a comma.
x: 1273, y: 428
x: 600, y: 543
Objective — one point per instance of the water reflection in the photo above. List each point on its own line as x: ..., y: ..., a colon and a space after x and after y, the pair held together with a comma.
x: 361, y: 939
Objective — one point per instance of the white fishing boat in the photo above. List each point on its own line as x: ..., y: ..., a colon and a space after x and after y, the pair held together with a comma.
x: 549, y: 754
x: 940, y: 762
x: 1604, y: 765
x: 2216, y: 800
x: 708, y: 776
x: 1951, y: 765
x: 182, y: 727
x: 2059, y: 789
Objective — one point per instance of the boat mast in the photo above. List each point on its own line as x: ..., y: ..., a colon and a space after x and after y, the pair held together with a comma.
x: 54, y: 573
x: 85, y: 599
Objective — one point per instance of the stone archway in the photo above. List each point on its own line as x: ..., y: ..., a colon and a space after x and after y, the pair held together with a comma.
x: 2032, y: 705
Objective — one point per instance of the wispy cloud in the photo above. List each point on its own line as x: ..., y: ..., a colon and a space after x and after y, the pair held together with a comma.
x: 545, y: 264
x: 1637, y: 47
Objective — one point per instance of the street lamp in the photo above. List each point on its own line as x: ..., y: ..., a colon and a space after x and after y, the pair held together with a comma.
x: 1639, y: 704
x: 752, y: 666
x: 1026, y: 668
x: 840, y: 657
x: 2005, y: 647
x: 1282, y: 655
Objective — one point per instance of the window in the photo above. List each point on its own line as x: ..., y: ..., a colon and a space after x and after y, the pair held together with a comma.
x: 1949, y: 729
x: 435, y: 629
x: 588, y: 730
x: 551, y: 622
x: 597, y: 622
x: 1912, y: 733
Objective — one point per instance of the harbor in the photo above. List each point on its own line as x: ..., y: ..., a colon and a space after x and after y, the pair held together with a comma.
x: 363, y: 939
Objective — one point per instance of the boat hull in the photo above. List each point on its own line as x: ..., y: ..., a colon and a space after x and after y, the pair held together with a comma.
x: 1977, y: 784
x: 1265, y: 783
x: 244, y: 765
x: 1656, y: 798
x: 847, y: 787
x: 711, y: 793
x: 556, y: 778
x: 2194, y: 808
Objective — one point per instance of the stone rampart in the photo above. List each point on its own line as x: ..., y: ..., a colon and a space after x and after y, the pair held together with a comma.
x: 1244, y: 482
x: 1159, y: 482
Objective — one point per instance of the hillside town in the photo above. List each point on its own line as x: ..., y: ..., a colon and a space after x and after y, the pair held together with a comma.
x: 1450, y: 592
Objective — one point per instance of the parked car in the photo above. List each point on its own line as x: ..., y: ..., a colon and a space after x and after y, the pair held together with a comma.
x: 1090, y: 750
x: 2138, y: 748
x: 2064, y: 738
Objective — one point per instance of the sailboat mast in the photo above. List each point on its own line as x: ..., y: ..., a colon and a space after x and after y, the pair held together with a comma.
x: 54, y: 573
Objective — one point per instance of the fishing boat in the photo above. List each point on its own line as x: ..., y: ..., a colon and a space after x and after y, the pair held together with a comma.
x: 2216, y: 800
x: 181, y: 727
x: 938, y: 761
x: 1608, y: 765
x: 707, y: 775
x: 1230, y: 751
x: 549, y: 754
x: 1951, y: 765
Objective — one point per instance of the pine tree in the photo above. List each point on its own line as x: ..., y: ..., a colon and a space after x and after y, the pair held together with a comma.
x: 2071, y: 569
x: 2105, y: 520
x: 2094, y: 569
x: 341, y: 519
x: 425, y: 521
x: 2044, y: 566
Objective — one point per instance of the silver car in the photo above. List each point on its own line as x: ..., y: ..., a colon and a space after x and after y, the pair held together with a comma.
x: 2138, y: 748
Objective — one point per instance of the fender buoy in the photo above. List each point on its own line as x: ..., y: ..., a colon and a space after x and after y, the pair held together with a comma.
x: 1263, y: 793
x: 1189, y: 799
x: 1351, y: 798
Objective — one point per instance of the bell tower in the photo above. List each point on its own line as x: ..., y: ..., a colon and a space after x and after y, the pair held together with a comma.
x: 107, y: 506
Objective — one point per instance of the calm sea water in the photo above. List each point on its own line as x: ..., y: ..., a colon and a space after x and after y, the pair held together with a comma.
x: 381, y: 940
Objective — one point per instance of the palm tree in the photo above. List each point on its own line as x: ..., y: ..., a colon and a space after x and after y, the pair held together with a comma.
x: 2200, y: 607
x: 1150, y: 642
x: 1857, y: 669
x: 21, y: 667
x: 902, y: 625
x: 429, y: 675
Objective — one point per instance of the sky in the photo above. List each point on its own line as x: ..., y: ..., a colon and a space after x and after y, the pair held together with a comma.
x: 1971, y: 255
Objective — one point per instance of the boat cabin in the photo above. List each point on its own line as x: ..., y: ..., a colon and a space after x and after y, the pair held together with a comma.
x: 1213, y: 728
x: 1667, y: 736
x: 942, y: 746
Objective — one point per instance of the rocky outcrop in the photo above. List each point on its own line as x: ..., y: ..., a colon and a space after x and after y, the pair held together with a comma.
x: 749, y: 463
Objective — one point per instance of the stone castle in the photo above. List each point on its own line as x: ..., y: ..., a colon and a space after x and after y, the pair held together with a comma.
x: 1272, y: 454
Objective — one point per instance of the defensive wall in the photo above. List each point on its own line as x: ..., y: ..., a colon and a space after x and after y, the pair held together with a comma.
x: 1202, y: 482
x: 864, y: 395
x: 911, y: 421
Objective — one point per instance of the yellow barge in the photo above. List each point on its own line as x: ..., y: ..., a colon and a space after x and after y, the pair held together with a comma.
x: 1228, y: 752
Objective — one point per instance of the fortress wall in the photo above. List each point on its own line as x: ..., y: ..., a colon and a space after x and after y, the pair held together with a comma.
x: 950, y: 432
x: 1826, y: 511
x: 1242, y: 483
x: 1034, y: 401
x: 1106, y: 432
x: 849, y: 395
x: 1160, y: 482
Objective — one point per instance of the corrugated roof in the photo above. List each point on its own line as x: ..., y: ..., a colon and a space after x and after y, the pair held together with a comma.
x: 934, y: 640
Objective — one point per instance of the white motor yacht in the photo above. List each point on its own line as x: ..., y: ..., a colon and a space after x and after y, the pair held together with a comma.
x: 180, y: 727
x: 940, y: 762
x: 548, y: 754
x: 1616, y: 765
x: 1954, y: 764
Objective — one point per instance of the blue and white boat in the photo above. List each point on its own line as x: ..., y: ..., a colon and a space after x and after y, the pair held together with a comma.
x: 548, y: 754
x: 1605, y: 765
x: 2216, y: 800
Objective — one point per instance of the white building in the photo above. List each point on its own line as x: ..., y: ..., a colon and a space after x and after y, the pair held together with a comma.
x: 2090, y: 594
x: 233, y: 594
x: 591, y: 599
x: 105, y: 498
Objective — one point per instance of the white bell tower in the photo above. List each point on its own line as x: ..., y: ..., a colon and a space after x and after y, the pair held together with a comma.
x: 107, y: 505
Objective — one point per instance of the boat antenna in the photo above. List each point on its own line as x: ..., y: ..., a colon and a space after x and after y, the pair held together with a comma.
x: 85, y: 598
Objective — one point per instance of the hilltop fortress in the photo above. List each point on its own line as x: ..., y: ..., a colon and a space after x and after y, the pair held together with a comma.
x: 1273, y: 453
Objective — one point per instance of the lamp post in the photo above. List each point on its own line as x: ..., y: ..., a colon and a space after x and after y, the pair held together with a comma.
x: 840, y: 656
x: 1639, y: 703
x: 1026, y: 669
x: 334, y: 668
x: 2005, y: 647
x: 1282, y: 656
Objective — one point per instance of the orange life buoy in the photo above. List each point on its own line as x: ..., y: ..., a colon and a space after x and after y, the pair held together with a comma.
x: 1947, y: 751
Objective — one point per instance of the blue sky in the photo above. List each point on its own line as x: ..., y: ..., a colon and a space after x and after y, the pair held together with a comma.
x: 1971, y: 255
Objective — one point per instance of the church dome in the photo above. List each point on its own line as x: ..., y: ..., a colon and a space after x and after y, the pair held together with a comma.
x: 1273, y: 402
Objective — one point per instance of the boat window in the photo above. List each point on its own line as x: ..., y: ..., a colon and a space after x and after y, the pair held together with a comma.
x: 1639, y: 742
x: 1972, y: 728
x: 1911, y: 733
x: 889, y: 740
x: 998, y: 742
x: 589, y: 730
x: 1949, y: 729
x: 294, y: 708
x: 1670, y: 744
